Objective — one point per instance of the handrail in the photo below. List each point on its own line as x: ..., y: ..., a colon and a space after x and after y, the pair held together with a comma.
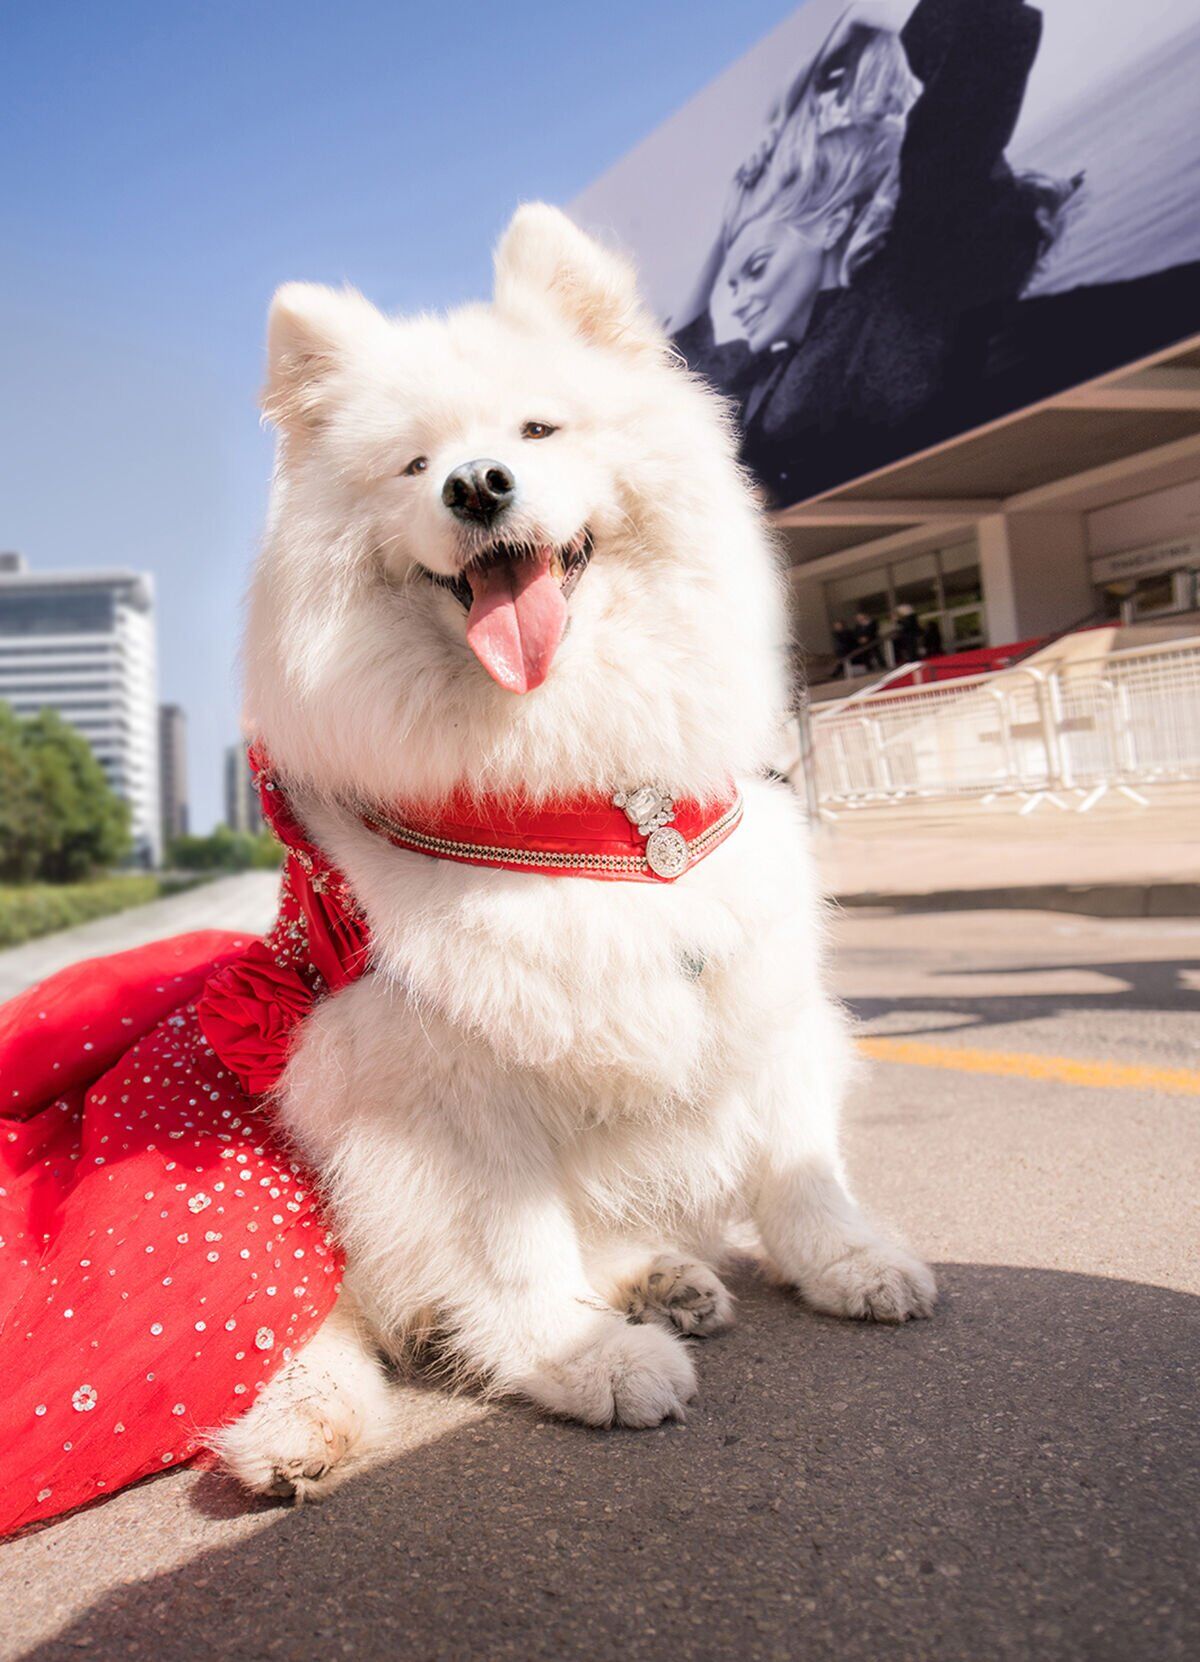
x: 829, y: 705
x: 983, y: 684
x: 1085, y: 725
x: 1090, y: 620
x: 859, y: 655
x: 961, y: 683
x: 1124, y: 653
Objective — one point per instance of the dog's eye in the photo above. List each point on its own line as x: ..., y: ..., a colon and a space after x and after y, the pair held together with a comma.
x: 537, y: 430
x: 418, y: 465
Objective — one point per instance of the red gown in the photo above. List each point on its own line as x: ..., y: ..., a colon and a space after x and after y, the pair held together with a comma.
x: 162, y: 1255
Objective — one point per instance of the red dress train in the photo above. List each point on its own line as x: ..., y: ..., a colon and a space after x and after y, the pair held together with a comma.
x: 162, y: 1254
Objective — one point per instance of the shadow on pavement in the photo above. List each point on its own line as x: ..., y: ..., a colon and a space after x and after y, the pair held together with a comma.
x: 1016, y: 1478
x: 1156, y: 985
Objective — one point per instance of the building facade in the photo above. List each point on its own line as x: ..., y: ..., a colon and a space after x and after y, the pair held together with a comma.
x: 172, y: 772
x: 83, y: 644
x: 979, y: 407
x: 1081, y: 512
x: 243, y: 811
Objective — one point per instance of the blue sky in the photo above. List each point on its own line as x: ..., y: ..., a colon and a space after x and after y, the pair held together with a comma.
x: 164, y: 166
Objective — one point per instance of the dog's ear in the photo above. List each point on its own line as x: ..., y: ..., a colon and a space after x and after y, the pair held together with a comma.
x: 311, y: 330
x: 543, y: 259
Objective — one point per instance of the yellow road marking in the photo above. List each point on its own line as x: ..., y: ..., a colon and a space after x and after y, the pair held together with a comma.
x: 1018, y: 1064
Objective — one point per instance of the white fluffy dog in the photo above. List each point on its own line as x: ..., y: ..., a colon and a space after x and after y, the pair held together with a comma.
x: 541, y: 1116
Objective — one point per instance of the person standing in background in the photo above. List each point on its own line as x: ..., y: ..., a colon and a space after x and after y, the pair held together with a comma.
x: 866, y: 641
x: 906, y: 635
x: 931, y: 639
x: 843, y: 645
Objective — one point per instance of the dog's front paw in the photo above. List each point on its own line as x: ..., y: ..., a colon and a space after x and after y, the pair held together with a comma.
x: 882, y: 1283
x: 306, y: 1432
x: 621, y: 1375
x: 293, y: 1455
x: 689, y: 1295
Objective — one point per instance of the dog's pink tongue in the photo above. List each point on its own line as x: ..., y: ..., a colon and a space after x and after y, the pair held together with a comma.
x: 516, y: 620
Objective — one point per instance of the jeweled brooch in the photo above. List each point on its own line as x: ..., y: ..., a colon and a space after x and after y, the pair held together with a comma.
x: 651, y: 811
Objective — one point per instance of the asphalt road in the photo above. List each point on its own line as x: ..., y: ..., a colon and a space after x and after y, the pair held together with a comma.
x: 1016, y: 1478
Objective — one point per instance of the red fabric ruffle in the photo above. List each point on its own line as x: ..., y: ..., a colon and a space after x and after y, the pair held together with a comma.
x: 249, y: 1012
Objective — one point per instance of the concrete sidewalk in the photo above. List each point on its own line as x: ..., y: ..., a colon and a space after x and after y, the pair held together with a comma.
x: 246, y: 901
x: 1117, y: 860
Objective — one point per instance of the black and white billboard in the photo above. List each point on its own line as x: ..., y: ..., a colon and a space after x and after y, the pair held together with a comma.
x: 892, y: 222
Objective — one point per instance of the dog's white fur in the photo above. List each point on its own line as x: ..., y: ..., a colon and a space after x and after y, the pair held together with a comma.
x: 536, y: 1124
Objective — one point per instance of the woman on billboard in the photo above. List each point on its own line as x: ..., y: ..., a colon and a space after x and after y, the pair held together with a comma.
x: 871, y: 243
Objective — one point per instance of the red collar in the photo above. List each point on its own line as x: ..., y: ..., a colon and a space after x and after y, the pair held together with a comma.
x: 640, y: 836
x: 250, y: 1010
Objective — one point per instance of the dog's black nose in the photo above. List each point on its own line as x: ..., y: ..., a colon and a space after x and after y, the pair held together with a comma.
x: 479, y: 490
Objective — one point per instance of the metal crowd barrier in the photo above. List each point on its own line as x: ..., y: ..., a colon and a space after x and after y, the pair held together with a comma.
x: 1074, y: 728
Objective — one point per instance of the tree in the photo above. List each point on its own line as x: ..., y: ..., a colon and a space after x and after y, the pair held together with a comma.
x: 19, y: 836
x: 226, y: 850
x: 65, y: 821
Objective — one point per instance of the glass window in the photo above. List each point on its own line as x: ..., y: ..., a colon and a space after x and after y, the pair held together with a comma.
x: 961, y: 582
x: 56, y: 612
x: 966, y: 631
x: 915, y: 583
x: 1113, y: 597
x: 1155, y: 593
x: 874, y: 603
x: 863, y: 591
x: 944, y: 589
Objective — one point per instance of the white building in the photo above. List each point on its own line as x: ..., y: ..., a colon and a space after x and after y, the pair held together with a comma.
x: 83, y: 643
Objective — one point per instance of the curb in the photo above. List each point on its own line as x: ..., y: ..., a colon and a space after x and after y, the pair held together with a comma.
x: 1098, y: 900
